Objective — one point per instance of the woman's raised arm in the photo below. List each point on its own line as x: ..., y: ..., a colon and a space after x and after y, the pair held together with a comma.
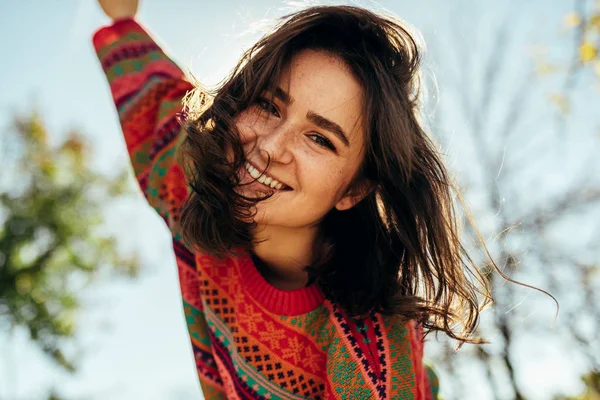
x: 147, y: 88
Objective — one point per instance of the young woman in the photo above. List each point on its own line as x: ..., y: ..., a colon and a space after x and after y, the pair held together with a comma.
x: 311, y: 215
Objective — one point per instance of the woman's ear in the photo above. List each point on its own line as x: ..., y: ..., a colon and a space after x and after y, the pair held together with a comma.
x: 355, y: 195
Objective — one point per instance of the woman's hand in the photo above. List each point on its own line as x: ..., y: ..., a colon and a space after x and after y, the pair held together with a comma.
x: 117, y: 9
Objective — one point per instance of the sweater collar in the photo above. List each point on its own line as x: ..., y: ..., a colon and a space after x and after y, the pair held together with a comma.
x: 277, y: 301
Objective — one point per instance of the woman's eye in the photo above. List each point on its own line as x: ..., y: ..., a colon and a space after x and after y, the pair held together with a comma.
x: 268, y: 107
x: 322, y: 141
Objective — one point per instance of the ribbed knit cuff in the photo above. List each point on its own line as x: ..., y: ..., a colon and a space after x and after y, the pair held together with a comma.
x: 111, y: 33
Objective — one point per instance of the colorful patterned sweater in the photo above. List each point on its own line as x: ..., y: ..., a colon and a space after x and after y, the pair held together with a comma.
x: 250, y: 340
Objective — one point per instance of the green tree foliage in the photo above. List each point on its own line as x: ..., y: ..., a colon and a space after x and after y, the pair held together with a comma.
x: 51, y: 244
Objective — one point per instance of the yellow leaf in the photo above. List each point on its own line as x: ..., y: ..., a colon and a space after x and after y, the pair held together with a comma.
x: 23, y: 283
x: 561, y: 102
x: 594, y: 21
x: 597, y: 68
x: 545, y: 69
x: 572, y: 20
x: 587, y: 52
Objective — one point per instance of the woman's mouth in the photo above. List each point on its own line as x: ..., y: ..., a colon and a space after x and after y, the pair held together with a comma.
x: 265, y: 179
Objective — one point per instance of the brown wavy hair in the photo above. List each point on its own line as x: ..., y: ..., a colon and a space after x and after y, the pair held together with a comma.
x: 396, y: 252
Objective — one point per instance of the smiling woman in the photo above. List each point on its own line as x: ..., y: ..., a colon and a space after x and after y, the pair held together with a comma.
x: 298, y: 134
x: 311, y: 215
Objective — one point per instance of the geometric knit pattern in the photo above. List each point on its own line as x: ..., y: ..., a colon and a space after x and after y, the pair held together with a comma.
x: 250, y: 340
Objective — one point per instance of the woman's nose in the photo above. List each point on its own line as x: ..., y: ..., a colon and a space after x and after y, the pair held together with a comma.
x: 277, y: 144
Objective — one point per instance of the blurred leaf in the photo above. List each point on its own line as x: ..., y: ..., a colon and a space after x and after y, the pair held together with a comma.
x: 53, y: 395
x: 587, y: 52
x: 592, y: 387
x: 572, y: 20
x: 594, y: 22
x: 561, y: 102
x: 545, y: 69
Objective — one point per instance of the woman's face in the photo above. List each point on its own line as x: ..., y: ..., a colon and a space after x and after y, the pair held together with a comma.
x: 312, y: 129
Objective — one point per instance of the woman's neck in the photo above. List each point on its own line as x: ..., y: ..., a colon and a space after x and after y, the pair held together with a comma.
x: 283, y: 254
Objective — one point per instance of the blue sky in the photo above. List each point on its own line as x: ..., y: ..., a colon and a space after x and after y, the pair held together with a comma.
x: 133, y: 334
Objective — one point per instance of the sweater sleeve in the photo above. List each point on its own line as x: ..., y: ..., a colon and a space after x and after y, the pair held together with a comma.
x: 433, y: 385
x: 424, y: 373
x: 147, y: 88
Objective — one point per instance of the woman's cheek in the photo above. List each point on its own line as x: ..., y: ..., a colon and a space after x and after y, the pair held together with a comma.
x: 247, y: 130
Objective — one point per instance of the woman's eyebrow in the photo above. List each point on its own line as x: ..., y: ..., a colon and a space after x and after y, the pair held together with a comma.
x: 315, y: 118
x: 331, y: 126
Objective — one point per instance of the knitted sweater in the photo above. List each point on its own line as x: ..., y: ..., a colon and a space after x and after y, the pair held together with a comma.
x: 250, y: 340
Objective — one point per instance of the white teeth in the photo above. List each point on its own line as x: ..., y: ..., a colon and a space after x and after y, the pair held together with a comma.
x: 253, y: 172
x: 262, y: 178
